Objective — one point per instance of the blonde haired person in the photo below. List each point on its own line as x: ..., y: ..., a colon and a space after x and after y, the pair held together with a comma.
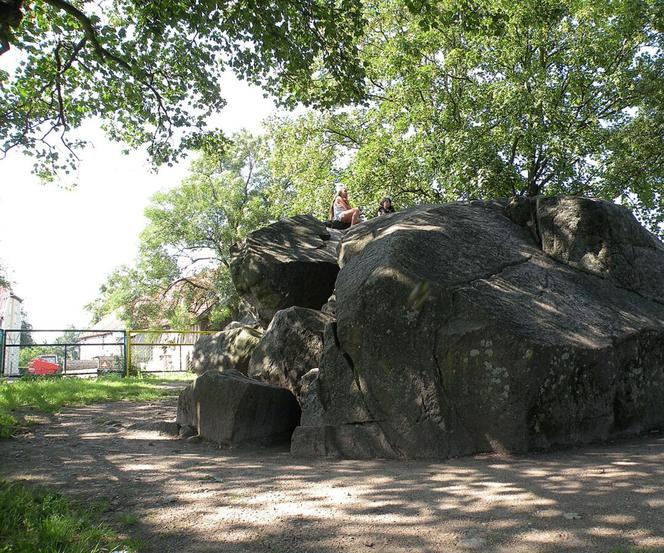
x: 341, y: 210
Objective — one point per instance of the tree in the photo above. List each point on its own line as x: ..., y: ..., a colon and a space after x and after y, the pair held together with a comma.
x: 151, y: 70
x: 317, y: 150
x: 486, y: 98
x: 26, y: 334
x: 305, y: 159
x: 4, y: 279
x: 182, y: 269
x: 68, y: 337
x: 30, y: 349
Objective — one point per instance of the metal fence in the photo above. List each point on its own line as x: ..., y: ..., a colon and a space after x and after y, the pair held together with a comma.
x: 92, y: 353
x: 95, y: 352
x: 162, y: 351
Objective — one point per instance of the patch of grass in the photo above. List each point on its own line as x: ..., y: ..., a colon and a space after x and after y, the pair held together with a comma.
x: 8, y: 425
x: 128, y: 519
x: 37, y: 521
x: 100, y: 505
x: 47, y: 395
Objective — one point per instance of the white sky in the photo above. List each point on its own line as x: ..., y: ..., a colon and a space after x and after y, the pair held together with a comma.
x: 59, y: 245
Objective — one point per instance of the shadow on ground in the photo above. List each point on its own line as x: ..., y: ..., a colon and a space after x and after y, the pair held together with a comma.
x: 198, y: 498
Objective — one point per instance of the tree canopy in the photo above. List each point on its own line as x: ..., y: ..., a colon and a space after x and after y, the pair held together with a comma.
x: 452, y: 98
x: 151, y: 70
x: 182, y: 270
x: 486, y: 98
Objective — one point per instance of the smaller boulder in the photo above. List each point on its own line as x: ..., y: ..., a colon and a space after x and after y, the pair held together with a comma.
x: 291, y: 346
x: 228, y: 349
x: 597, y: 237
x: 231, y: 409
x: 186, y: 414
x: 187, y: 431
x: 290, y: 262
x: 165, y: 428
x: 604, y: 239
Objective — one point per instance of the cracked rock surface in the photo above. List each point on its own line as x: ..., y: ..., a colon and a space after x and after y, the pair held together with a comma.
x: 456, y: 333
x: 291, y: 346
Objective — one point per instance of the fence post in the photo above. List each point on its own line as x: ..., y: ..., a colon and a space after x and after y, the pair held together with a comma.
x: 124, y: 357
x: 64, y: 363
x: 128, y: 350
x: 2, y: 352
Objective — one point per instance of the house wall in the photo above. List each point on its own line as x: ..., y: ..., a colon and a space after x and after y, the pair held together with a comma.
x: 166, y: 358
x: 109, y: 345
x: 149, y: 358
x: 10, y: 318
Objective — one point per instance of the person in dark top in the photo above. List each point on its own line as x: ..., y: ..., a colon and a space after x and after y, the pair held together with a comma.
x: 385, y: 206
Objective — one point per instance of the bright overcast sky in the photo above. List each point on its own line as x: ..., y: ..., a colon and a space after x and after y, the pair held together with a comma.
x: 59, y: 245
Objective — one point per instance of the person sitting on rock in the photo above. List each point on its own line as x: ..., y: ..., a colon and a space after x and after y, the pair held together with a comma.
x: 341, y: 210
x: 385, y: 206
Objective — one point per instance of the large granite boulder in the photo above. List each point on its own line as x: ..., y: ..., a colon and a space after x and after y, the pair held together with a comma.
x: 291, y: 346
x: 457, y: 334
x: 225, y: 350
x: 599, y: 237
x: 291, y: 262
x: 232, y: 409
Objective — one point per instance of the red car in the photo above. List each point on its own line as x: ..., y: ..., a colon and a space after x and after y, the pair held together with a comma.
x: 44, y: 365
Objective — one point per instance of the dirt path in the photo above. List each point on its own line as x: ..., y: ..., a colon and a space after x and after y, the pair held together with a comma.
x: 197, y: 498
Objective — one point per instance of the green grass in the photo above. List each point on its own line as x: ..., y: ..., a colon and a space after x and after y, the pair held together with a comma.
x: 128, y: 519
x: 48, y: 395
x: 37, y: 521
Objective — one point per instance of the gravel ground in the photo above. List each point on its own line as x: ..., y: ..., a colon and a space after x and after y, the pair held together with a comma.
x: 195, y: 497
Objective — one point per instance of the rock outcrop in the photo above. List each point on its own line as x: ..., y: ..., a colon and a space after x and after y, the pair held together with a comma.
x: 291, y: 262
x: 231, y: 409
x: 228, y: 349
x: 456, y: 333
x: 598, y: 237
x: 291, y: 346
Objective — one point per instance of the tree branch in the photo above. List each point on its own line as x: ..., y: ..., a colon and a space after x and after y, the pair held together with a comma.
x: 105, y: 55
x: 188, y: 281
x: 90, y: 32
